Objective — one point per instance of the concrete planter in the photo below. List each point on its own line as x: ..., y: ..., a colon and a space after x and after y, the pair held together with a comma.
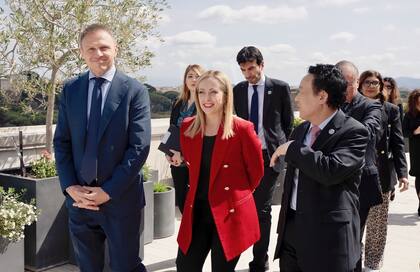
x: 11, y: 256
x: 148, y: 212
x: 47, y: 240
x: 164, y: 213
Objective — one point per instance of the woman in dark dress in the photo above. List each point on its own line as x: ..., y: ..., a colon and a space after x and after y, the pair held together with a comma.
x: 393, y: 94
x: 184, y: 107
x: 411, y: 130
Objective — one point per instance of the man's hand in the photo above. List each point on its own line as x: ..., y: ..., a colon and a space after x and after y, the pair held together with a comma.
x: 95, y: 196
x: 280, y: 151
x: 417, y: 131
x: 77, y: 193
x: 403, y: 184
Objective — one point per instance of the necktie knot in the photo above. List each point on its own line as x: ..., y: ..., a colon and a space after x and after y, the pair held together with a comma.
x: 315, y: 131
x: 255, y: 88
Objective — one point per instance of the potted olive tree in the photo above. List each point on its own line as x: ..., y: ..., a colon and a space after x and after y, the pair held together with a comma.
x: 47, y: 240
x: 14, y: 216
x: 164, y: 210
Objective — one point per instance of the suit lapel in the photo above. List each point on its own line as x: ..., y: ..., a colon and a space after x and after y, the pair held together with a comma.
x: 329, y: 130
x: 219, y: 151
x: 243, y: 103
x: 268, y: 90
x: 117, y: 91
x: 80, y: 114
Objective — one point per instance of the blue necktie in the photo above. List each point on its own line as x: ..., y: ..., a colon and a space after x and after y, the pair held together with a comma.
x: 253, y: 117
x: 88, y: 170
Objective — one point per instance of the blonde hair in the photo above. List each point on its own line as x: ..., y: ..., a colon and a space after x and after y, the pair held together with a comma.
x: 185, y: 93
x: 199, y: 123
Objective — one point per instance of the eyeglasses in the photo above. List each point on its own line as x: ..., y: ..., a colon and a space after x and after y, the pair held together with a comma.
x: 373, y: 83
x: 389, y: 87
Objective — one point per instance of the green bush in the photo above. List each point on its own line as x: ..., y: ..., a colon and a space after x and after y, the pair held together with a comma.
x: 160, y: 187
x: 147, y: 175
x: 297, y: 121
x: 44, y: 167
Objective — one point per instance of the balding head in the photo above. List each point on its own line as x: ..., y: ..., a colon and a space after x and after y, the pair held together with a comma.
x: 351, y: 74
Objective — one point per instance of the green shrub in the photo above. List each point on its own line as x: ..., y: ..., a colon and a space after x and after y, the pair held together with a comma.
x: 147, y: 175
x: 297, y: 121
x: 44, y: 167
x: 160, y: 187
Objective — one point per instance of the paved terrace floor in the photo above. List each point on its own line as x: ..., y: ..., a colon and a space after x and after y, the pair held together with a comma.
x: 402, y: 253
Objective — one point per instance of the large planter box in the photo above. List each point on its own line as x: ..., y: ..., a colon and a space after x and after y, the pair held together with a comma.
x: 148, y: 212
x: 11, y: 256
x: 164, y: 214
x: 47, y: 240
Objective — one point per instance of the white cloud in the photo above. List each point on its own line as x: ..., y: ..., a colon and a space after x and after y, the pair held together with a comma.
x: 165, y: 19
x: 362, y: 10
x: 260, y: 14
x: 417, y: 31
x: 281, y: 48
x: 398, y: 48
x: 336, y: 2
x: 342, y: 36
x: 193, y: 37
x: 389, y: 28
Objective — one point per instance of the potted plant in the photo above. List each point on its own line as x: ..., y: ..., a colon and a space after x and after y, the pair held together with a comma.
x: 14, y: 216
x: 47, y: 240
x: 148, y: 209
x: 164, y: 210
x: 278, y: 190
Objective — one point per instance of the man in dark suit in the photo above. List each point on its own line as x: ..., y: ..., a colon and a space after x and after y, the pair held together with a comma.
x: 101, y: 141
x: 265, y: 102
x: 367, y: 112
x: 318, y: 227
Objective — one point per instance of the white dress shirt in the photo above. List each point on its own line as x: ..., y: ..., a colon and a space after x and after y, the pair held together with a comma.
x: 260, y: 90
x: 108, y: 76
x: 306, y: 141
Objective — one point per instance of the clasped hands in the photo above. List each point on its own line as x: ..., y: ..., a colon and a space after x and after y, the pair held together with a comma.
x: 176, y: 158
x: 86, y: 197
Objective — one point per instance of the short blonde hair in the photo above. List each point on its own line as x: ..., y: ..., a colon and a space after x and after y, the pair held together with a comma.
x: 199, y: 123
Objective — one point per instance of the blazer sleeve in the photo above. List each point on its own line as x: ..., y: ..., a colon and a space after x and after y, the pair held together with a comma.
x: 287, y: 111
x: 408, y: 131
x: 396, y: 143
x: 139, y: 136
x: 372, y: 119
x: 344, y: 159
x: 251, y: 152
x: 63, y: 146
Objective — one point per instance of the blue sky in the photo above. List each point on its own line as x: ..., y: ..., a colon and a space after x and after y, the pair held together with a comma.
x: 292, y: 35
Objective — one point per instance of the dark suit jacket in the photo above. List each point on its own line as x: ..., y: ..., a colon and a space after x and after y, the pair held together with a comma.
x: 277, y: 112
x: 124, y: 140
x: 390, y: 147
x: 368, y: 112
x: 410, y: 124
x: 327, y: 218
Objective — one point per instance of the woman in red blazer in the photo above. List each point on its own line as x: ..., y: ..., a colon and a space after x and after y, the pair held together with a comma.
x: 225, y: 163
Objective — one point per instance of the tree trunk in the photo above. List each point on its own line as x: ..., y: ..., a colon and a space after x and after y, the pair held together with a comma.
x: 50, y: 111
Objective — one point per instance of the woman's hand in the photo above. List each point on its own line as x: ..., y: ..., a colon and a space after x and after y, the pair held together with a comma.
x: 176, y: 158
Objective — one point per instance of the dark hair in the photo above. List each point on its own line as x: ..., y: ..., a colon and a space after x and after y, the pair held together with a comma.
x: 329, y: 78
x: 394, y: 97
x: 93, y: 28
x: 372, y: 73
x: 249, y: 53
x: 412, y: 103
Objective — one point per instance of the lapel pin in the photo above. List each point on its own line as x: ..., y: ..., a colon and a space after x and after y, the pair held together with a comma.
x: 331, y: 131
x: 269, y: 92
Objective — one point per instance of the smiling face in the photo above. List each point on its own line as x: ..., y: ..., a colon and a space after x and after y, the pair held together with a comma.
x: 211, y: 97
x: 98, y: 49
x: 252, y: 71
x: 371, y: 87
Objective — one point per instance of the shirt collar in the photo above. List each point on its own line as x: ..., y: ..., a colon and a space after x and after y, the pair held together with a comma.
x: 108, y: 75
x: 326, y: 121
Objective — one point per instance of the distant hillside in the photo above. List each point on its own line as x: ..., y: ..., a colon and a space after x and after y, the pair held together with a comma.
x: 408, y: 82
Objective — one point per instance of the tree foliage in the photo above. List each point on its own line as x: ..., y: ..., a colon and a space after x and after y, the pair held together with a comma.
x: 42, y: 36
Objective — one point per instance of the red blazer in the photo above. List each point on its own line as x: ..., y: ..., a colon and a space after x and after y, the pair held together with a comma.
x: 236, y: 170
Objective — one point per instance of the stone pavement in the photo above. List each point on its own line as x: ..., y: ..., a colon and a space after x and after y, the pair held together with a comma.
x: 402, y: 253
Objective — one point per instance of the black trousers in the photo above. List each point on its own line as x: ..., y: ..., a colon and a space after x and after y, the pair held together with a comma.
x: 180, y: 177
x: 204, y: 239
x: 288, y: 256
x: 263, y: 197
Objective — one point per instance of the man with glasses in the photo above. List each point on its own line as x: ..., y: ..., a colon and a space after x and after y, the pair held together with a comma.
x: 367, y: 112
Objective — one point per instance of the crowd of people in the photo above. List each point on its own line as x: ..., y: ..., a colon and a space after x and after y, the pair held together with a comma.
x: 342, y: 163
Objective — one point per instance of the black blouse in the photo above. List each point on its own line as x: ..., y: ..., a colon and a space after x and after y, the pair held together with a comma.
x: 203, y: 181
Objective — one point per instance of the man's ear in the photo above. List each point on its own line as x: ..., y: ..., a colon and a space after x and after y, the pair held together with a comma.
x: 323, y: 96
